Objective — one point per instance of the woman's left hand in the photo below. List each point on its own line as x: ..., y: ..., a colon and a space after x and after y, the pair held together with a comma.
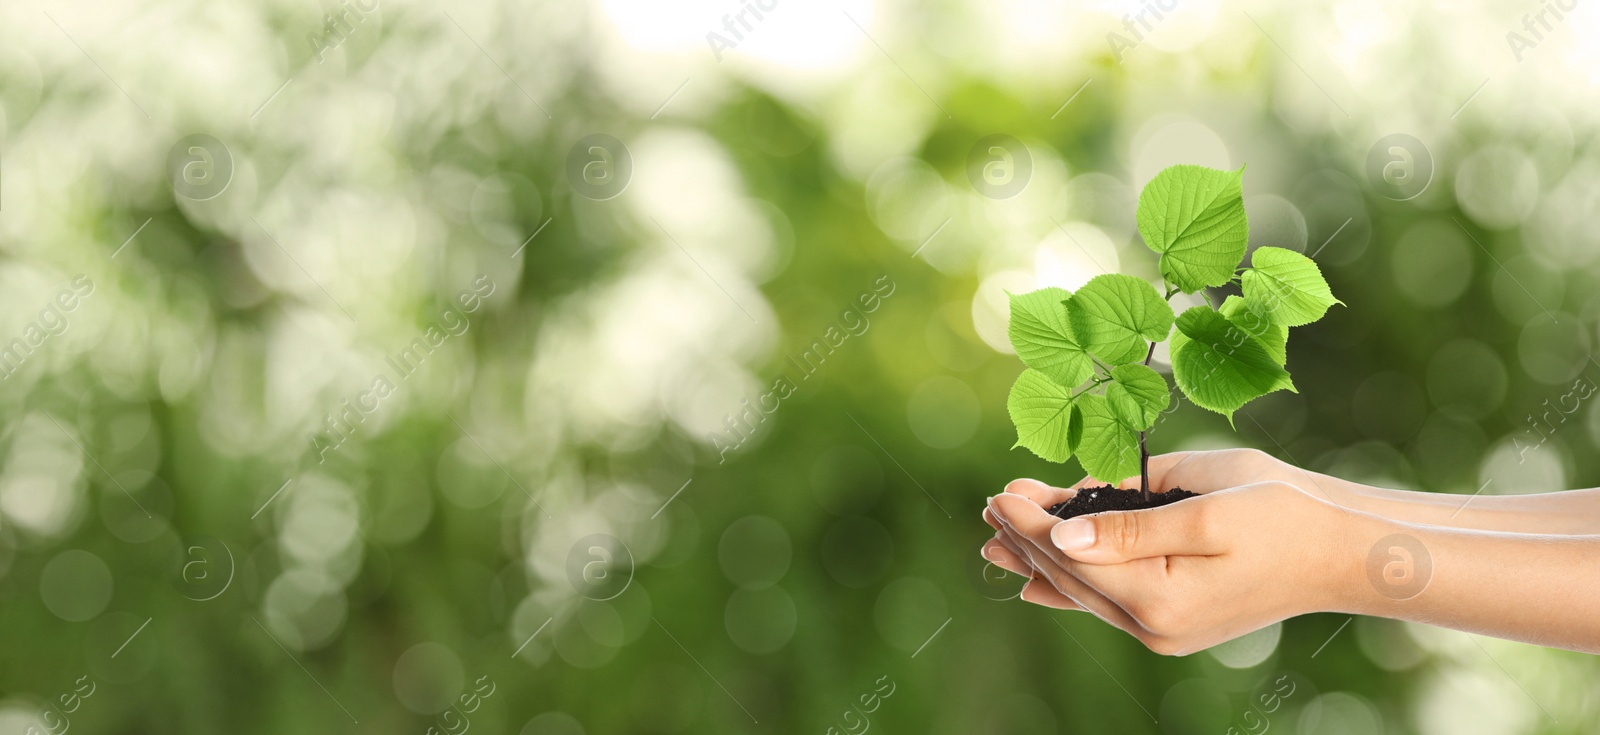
x: 1189, y: 575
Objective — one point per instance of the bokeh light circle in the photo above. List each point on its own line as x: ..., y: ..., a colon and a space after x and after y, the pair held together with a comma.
x: 1497, y: 186
x: 760, y: 620
x: 1466, y: 379
x: 1248, y: 650
x: 75, y: 585
x: 1431, y: 264
x: 428, y: 677
x: 754, y: 551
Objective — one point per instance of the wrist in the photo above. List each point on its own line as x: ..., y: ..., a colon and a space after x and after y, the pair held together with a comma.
x: 1373, y: 561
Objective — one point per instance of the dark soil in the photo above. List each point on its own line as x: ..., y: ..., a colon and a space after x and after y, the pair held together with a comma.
x: 1104, y: 498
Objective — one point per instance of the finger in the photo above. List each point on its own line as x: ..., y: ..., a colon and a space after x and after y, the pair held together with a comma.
x: 1043, y: 559
x: 1113, y: 538
x: 1048, y: 576
x: 1039, y: 592
x: 1034, y: 490
x: 996, y: 553
x: 1042, y: 494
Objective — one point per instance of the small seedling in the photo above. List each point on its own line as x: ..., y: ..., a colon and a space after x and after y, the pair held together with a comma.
x: 1089, y: 389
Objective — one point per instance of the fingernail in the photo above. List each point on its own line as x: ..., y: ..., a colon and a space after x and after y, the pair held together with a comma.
x: 1073, y: 535
x: 993, y: 553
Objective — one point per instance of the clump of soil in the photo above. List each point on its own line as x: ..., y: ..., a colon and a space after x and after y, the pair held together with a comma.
x: 1105, y: 498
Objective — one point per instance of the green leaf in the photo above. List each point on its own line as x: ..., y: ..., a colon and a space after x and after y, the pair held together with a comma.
x: 1287, y: 286
x: 1247, y: 315
x: 1113, y: 315
x: 1194, y: 217
x: 1109, y: 450
x: 1220, y: 366
x: 1138, y: 395
x: 1042, y: 411
x: 1042, y: 336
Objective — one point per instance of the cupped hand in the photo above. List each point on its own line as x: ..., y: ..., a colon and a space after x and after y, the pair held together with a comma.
x: 1184, y: 576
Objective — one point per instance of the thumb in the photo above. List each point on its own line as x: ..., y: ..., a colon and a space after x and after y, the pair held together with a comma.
x: 1120, y: 536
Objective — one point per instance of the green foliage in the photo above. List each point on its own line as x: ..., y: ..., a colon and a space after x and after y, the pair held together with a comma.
x: 1042, y: 336
x: 1220, y: 366
x: 1194, y: 217
x: 1042, y: 411
x: 1289, y: 285
x: 1137, y: 395
x: 1114, y: 315
x: 1108, y: 447
x: 1090, y: 391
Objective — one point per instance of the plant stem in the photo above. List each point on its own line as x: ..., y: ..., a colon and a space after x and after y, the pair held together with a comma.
x: 1144, y: 469
x: 1144, y: 450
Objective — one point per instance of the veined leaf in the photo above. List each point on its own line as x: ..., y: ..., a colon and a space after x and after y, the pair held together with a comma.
x: 1042, y: 411
x: 1113, y: 316
x: 1109, y: 450
x: 1042, y: 336
x: 1287, y: 286
x: 1137, y: 395
x: 1253, y: 320
x: 1220, y: 366
x: 1194, y: 217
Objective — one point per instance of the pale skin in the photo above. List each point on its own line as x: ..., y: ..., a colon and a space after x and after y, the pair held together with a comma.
x: 1268, y: 541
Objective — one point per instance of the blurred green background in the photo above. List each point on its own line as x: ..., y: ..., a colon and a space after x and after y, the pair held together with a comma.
x: 390, y: 398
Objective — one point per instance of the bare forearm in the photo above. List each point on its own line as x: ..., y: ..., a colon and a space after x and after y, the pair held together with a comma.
x: 1533, y: 588
x: 1569, y: 513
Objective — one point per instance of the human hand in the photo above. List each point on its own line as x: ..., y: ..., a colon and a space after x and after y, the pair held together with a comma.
x: 1198, y: 472
x: 1185, y: 576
